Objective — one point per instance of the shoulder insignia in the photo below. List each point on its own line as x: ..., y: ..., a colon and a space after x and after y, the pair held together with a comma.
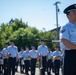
x: 62, y: 30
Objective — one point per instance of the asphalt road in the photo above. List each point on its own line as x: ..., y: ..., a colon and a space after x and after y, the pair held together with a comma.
x: 37, y: 72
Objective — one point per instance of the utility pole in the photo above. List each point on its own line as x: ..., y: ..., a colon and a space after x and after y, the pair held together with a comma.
x: 57, y: 10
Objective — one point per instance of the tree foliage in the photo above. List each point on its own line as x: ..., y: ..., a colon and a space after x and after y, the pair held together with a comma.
x: 23, y: 35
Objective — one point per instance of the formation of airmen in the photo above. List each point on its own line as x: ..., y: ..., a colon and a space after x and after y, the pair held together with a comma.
x: 48, y: 61
x: 10, y: 59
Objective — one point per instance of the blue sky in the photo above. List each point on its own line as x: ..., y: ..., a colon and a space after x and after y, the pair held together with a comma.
x: 38, y: 13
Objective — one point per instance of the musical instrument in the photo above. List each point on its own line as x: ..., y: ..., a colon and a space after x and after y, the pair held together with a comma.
x: 56, y: 57
x: 5, y: 57
x: 25, y: 58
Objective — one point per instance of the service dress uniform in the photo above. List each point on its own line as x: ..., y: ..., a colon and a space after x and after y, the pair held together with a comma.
x: 20, y: 54
x: 49, y: 63
x: 13, y: 53
x: 33, y: 56
x: 5, y: 57
x: 43, y: 52
x: 56, y: 59
x: 68, y: 33
x: 26, y: 61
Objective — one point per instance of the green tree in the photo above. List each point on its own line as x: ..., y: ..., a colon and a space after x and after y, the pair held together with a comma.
x: 5, y: 33
x: 16, y: 24
x: 25, y: 37
x: 54, y: 37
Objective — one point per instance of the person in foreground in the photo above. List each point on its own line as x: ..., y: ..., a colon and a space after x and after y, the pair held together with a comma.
x: 68, y: 41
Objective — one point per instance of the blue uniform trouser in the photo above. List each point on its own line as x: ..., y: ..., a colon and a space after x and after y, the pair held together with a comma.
x: 49, y: 66
x: 44, y: 64
x: 11, y: 65
x: 69, y: 67
x: 16, y: 66
x: 33, y: 66
x: 27, y: 65
x: 1, y: 67
x: 56, y: 67
x: 21, y: 66
x: 5, y: 66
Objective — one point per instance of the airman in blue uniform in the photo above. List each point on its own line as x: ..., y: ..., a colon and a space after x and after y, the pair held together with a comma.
x: 26, y: 60
x: 5, y: 57
x: 33, y: 56
x: 13, y: 54
x: 49, y: 62
x: 20, y: 54
x: 56, y: 58
x: 68, y: 41
x: 43, y: 52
